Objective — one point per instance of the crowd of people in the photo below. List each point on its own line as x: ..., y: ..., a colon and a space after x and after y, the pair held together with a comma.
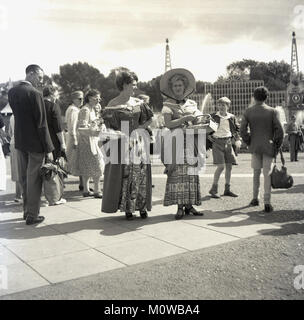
x: 38, y: 136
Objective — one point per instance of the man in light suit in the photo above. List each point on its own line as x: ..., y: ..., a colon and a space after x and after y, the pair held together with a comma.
x: 32, y: 139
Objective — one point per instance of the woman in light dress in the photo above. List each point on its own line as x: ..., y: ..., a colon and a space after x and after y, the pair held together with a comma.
x: 14, y: 161
x: 91, y: 163
x: 71, y: 120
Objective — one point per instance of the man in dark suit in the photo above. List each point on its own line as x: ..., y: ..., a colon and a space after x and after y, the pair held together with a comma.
x: 264, y: 140
x: 32, y: 139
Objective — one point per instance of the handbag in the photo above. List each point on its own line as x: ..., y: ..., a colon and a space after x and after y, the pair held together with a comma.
x: 280, y: 179
x: 6, y: 149
x: 53, y: 184
x: 4, y: 142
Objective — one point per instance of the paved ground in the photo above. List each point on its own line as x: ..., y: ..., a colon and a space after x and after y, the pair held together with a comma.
x: 232, y: 252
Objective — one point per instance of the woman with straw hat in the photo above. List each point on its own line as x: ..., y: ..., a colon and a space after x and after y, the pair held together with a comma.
x: 182, y: 187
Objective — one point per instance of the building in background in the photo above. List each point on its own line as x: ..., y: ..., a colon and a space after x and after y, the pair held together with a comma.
x: 240, y: 94
x: 277, y: 98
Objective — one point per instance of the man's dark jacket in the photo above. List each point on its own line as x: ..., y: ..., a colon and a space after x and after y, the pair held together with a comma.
x: 266, y: 133
x: 31, y: 129
x: 53, y: 117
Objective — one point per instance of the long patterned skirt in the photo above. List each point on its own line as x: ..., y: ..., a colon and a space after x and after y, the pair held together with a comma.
x: 90, y: 164
x: 72, y: 156
x: 182, y: 188
x: 134, y: 188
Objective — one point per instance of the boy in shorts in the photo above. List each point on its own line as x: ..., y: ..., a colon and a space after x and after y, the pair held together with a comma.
x: 222, y: 149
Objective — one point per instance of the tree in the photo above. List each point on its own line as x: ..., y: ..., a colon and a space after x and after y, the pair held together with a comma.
x: 276, y: 75
x: 240, y: 70
x: 77, y: 76
x: 200, y: 86
x: 152, y: 89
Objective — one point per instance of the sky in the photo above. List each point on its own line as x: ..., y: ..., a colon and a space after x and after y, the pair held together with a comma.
x: 204, y: 35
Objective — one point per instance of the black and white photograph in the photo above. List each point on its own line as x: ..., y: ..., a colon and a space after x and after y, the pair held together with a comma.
x: 151, y: 153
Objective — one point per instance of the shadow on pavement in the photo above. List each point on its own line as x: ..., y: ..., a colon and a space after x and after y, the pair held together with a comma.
x: 287, y: 229
x: 115, y: 224
x: 7, y: 197
x: 10, y: 206
x: 299, y: 188
x: 280, y: 216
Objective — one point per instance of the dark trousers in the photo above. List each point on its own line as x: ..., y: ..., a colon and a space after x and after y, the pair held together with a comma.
x: 293, y: 146
x: 29, y: 164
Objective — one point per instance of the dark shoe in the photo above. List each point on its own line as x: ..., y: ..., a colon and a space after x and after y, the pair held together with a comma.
x: 98, y: 195
x: 88, y: 194
x: 268, y: 208
x: 31, y: 220
x: 179, y: 214
x: 193, y: 211
x: 143, y: 214
x: 25, y: 214
x: 254, y: 202
x: 129, y: 216
x: 230, y: 194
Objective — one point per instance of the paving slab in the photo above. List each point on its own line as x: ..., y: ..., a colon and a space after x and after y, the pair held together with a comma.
x: 10, y: 215
x: 62, y: 213
x: 7, y: 257
x: 74, y: 265
x: 187, y: 236
x: 37, y: 249
x: 24, y: 233
x: 11, y: 223
x: 96, y: 232
x: 140, y: 250
x: 20, y: 278
x: 240, y: 226
x: 90, y: 223
x: 91, y: 205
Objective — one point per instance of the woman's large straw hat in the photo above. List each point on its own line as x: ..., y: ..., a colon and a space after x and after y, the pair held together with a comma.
x: 166, y: 82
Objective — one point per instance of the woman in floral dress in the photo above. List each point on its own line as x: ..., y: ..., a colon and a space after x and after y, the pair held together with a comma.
x: 128, y: 186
